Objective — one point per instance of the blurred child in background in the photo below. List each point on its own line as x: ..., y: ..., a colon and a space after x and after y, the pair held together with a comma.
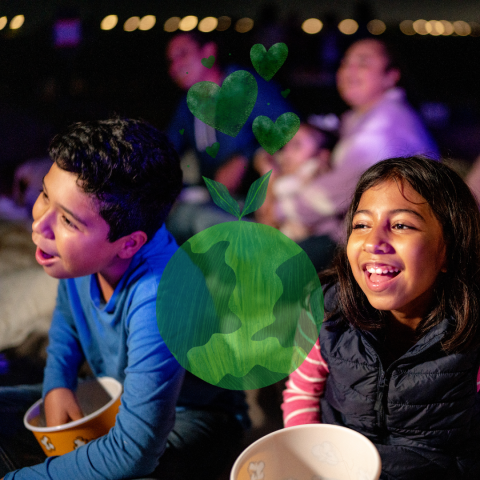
x: 304, y: 158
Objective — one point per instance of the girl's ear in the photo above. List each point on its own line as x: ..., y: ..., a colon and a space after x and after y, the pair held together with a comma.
x: 444, y: 265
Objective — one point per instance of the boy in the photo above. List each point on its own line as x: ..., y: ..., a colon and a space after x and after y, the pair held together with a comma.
x: 98, y: 226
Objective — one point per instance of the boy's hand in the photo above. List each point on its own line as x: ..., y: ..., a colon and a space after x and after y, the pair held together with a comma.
x: 61, y: 407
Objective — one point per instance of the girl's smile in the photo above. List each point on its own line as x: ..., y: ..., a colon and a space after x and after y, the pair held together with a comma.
x: 396, y: 250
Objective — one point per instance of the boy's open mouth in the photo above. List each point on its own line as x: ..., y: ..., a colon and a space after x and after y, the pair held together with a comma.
x: 45, y: 254
x: 44, y: 258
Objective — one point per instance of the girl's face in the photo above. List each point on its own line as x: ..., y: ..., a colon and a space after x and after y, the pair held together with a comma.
x: 396, y: 250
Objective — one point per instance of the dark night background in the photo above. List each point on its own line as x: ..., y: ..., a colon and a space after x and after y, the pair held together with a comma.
x: 43, y: 88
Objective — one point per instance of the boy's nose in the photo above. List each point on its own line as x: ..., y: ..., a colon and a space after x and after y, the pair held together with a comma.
x: 42, y: 222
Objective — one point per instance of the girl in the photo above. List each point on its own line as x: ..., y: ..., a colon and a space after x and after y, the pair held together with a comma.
x: 399, y: 352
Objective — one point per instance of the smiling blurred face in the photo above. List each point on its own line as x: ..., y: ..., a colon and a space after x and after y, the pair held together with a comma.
x: 362, y: 78
x: 396, y: 249
x: 185, y: 55
x: 70, y: 234
x: 302, y: 147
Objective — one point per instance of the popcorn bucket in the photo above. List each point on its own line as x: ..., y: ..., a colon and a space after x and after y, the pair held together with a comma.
x: 99, y: 400
x: 309, y: 452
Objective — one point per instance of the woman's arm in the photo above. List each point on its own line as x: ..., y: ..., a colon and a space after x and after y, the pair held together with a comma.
x: 305, y: 386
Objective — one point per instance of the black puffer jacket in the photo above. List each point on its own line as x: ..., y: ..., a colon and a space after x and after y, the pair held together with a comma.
x: 422, y: 412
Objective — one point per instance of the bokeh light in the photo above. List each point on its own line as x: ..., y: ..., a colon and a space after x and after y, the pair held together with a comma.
x: 447, y: 26
x: 171, y: 25
x: 244, y: 25
x: 462, y: 28
x: 188, y: 23
x: 147, y: 22
x: 109, y: 22
x: 224, y: 23
x: 208, y: 24
x: 376, y: 27
x: 312, y: 25
x: 420, y: 27
x: 406, y: 27
x: 131, y: 24
x: 3, y: 22
x: 17, y: 22
x: 348, y: 26
x: 437, y: 28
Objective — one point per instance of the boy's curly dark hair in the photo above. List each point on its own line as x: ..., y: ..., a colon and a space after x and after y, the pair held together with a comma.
x: 457, y: 292
x: 128, y: 165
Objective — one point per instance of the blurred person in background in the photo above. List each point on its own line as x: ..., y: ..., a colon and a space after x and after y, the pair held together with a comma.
x: 380, y: 124
x: 193, y: 213
x: 303, y: 159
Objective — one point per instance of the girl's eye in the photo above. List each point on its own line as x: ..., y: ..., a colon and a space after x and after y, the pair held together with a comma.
x: 358, y: 226
x: 44, y: 195
x: 401, y: 226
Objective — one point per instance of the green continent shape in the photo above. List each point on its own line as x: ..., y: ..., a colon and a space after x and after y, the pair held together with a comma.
x: 239, y: 305
x: 300, y: 282
x: 255, y: 252
x: 225, y: 108
x: 187, y: 313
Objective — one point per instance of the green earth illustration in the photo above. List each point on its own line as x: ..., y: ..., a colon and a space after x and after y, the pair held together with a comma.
x: 240, y: 305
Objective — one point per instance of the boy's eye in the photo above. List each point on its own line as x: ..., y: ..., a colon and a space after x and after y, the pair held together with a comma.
x: 67, y: 221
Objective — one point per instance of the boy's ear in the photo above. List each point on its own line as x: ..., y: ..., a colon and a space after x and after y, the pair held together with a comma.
x: 131, y: 244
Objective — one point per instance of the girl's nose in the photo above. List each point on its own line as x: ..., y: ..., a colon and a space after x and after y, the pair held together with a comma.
x: 377, y: 242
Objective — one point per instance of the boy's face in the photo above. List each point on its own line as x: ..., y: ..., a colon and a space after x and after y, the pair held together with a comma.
x: 70, y: 234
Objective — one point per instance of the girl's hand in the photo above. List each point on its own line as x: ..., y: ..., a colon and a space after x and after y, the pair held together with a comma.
x: 61, y: 407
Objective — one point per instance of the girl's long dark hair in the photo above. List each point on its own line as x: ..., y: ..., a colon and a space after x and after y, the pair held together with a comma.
x: 457, y: 292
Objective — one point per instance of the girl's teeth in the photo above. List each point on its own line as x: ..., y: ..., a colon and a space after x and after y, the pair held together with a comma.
x: 380, y: 271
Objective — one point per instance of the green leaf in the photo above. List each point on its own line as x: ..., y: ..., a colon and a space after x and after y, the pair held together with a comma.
x: 256, y: 194
x: 222, y: 198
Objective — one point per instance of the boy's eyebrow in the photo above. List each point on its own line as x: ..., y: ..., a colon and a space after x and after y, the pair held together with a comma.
x: 76, y: 217
x: 393, y: 212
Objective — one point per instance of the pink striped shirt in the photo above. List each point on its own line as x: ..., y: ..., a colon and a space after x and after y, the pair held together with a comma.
x: 305, y: 386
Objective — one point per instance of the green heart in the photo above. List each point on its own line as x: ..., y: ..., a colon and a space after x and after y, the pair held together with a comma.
x: 213, y: 150
x: 273, y: 136
x: 225, y: 108
x: 181, y: 131
x: 208, y: 62
x: 268, y: 63
x: 285, y: 93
